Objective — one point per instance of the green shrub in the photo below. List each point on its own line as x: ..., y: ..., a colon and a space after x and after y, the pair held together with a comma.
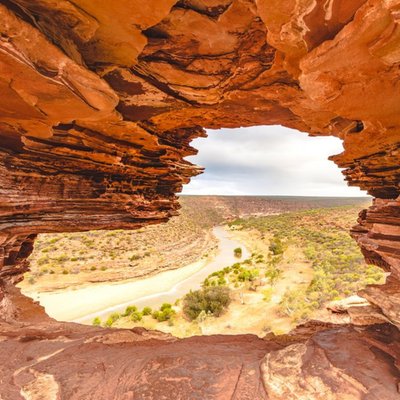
x: 136, y: 316
x: 221, y: 281
x: 62, y: 258
x: 165, y: 306
x: 211, y: 300
x: 248, y: 275
x: 112, y: 318
x: 43, y: 260
x: 164, y: 315
x: 238, y: 252
x: 276, y: 246
x: 96, y: 321
x: 146, y: 311
x: 129, y: 310
x: 93, y: 268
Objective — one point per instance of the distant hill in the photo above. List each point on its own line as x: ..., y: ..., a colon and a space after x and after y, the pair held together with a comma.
x: 215, y: 209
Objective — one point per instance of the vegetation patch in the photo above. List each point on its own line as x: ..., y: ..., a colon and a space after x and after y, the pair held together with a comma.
x: 210, y: 300
x: 322, y: 235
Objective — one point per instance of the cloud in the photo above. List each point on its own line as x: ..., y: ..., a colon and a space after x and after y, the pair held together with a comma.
x: 268, y: 160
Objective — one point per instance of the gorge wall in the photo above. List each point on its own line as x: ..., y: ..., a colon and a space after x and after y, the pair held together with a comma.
x: 99, y: 103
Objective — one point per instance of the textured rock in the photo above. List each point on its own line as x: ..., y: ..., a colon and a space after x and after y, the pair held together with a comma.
x: 42, y: 357
x: 357, y: 311
x: 315, y: 370
x: 100, y: 101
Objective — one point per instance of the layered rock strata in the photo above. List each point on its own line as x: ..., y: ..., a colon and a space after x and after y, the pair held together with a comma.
x: 45, y: 359
x: 100, y: 101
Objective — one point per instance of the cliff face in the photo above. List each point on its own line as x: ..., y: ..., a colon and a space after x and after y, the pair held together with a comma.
x: 100, y: 101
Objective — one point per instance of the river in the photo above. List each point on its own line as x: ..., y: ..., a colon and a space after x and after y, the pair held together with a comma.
x: 99, y: 300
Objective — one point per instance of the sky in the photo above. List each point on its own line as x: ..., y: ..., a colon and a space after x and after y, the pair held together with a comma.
x: 267, y: 160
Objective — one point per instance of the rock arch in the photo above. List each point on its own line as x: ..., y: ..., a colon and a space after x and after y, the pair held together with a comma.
x: 99, y: 104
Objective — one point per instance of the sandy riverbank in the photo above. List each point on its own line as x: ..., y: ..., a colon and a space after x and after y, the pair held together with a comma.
x: 85, y: 303
x: 69, y: 305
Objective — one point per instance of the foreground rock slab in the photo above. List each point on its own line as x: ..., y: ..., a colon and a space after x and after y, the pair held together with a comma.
x: 41, y: 358
x: 62, y: 361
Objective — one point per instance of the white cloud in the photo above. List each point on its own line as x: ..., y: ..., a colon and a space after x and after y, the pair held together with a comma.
x: 268, y: 160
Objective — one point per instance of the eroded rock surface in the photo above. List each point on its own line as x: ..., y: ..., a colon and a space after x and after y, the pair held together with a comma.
x: 99, y: 103
x: 45, y: 359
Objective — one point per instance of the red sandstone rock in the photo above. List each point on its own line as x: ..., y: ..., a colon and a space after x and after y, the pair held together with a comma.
x: 43, y: 357
x: 99, y: 103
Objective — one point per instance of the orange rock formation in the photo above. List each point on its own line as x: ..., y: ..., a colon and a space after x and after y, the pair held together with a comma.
x: 99, y: 103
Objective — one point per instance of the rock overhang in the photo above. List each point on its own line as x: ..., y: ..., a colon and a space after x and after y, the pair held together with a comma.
x: 100, y: 102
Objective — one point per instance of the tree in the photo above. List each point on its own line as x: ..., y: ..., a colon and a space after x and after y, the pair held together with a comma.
x: 238, y: 252
x: 164, y: 315
x: 276, y: 246
x: 129, y: 310
x: 212, y: 300
x: 111, y: 319
x: 146, y: 311
x: 136, y: 316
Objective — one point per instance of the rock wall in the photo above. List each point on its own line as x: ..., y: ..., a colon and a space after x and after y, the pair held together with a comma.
x: 100, y: 101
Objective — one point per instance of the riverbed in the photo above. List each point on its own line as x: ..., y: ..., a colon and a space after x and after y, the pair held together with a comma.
x: 99, y: 300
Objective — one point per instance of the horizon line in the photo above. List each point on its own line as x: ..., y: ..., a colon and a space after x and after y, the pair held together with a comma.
x: 367, y: 196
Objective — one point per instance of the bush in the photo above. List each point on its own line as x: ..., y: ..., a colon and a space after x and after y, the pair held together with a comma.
x: 146, y: 311
x: 96, y: 321
x: 111, y: 319
x: 43, y: 260
x: 164, y: 315
x: 238, y: 252
x: 221, y: 281
x: 136, y: 316
x: 276, y: 246
x: 211, y: 300
x: 129, y: 310
x: 165, y: 306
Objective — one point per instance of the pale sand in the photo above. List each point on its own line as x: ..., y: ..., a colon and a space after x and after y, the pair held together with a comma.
x: 85, y: 303
x: 68, y: 305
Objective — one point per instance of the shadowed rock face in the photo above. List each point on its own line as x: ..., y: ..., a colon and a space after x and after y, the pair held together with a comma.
x: 99, y: 103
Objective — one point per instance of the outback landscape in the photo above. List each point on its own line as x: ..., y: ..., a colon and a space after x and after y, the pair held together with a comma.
x: 300, y: 258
